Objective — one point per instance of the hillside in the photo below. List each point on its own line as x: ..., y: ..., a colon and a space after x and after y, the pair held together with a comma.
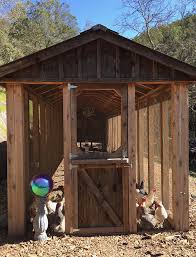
x: 176, y: 39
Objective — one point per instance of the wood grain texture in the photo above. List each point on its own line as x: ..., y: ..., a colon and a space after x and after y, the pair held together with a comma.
x: 100, y: 201
x: 100, y: 198
x: 68, y: 189
x: 151, y: 151
x: 132, y: 157
x: 179, y: 128
x: 164, y: 118
x: 140, y: 145
x: 16, y: 160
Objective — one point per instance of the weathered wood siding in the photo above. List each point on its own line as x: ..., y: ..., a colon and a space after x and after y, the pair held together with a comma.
x: 95, y: 61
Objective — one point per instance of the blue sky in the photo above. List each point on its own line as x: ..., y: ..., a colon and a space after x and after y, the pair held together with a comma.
x: 96, y: 11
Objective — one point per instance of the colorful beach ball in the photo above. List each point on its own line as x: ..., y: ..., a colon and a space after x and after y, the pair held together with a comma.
x: 41, y: 185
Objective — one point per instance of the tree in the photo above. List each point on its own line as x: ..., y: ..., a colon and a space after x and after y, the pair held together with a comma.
x: 142, y: 15
x: 28, y: 26
x: 42, y: 24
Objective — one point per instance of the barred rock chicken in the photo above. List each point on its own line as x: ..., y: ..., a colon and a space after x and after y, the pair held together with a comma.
x: 160, y: 214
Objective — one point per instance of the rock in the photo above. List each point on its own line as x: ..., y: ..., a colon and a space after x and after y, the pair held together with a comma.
x: 146, y: 236
x: 125, y: 243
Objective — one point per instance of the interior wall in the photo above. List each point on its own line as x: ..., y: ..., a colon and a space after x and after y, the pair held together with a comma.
x: 113, y: 133
x: 45, y: 137
x: 154, y: 151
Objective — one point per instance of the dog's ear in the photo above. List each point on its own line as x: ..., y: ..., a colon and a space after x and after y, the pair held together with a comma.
x: 137, y: 186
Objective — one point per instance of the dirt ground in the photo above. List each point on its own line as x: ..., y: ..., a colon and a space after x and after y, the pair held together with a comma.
x: 163, y: 244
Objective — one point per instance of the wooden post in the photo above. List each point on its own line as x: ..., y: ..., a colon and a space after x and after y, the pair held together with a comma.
x: 151, y: 131
x: 180, y: 168
x: 69, y: 214
x: 16, y: 160
x: 164, y: 111
x: 73, y: 106
x: 132, y: 157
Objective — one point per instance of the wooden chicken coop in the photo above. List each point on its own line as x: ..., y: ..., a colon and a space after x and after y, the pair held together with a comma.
x: 93, y: 100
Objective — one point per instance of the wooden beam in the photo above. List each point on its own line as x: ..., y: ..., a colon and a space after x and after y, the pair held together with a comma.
x: 68, y: 189
x: 151, y: 141
x: 164, y: 118
x: 154, y: 99
x: 16, y: 160
x: 180, y: 169
x: 72, y: 80
x: 132, y: 157
x: 100, y: 198
x: 99, y: 230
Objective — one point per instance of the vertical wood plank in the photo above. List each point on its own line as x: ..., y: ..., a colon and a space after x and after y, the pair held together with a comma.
x: 124, y: 110
x: 79, y: 49
x: 132, y: 157
x: 140, y: 145
x: 185, y: 156
x: 26, y: 145
x: 73, y: 121
x: 69, y: 216
x: 98, y: 59
x: 42, y: 136
x: 117, y: 62
x: 179, y: 128
x: 164, y: 111
x: 16, y: 160
x: 151, y: 131
x: 125, y: 184
x: 75, y: 193
x: 35, y: 159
